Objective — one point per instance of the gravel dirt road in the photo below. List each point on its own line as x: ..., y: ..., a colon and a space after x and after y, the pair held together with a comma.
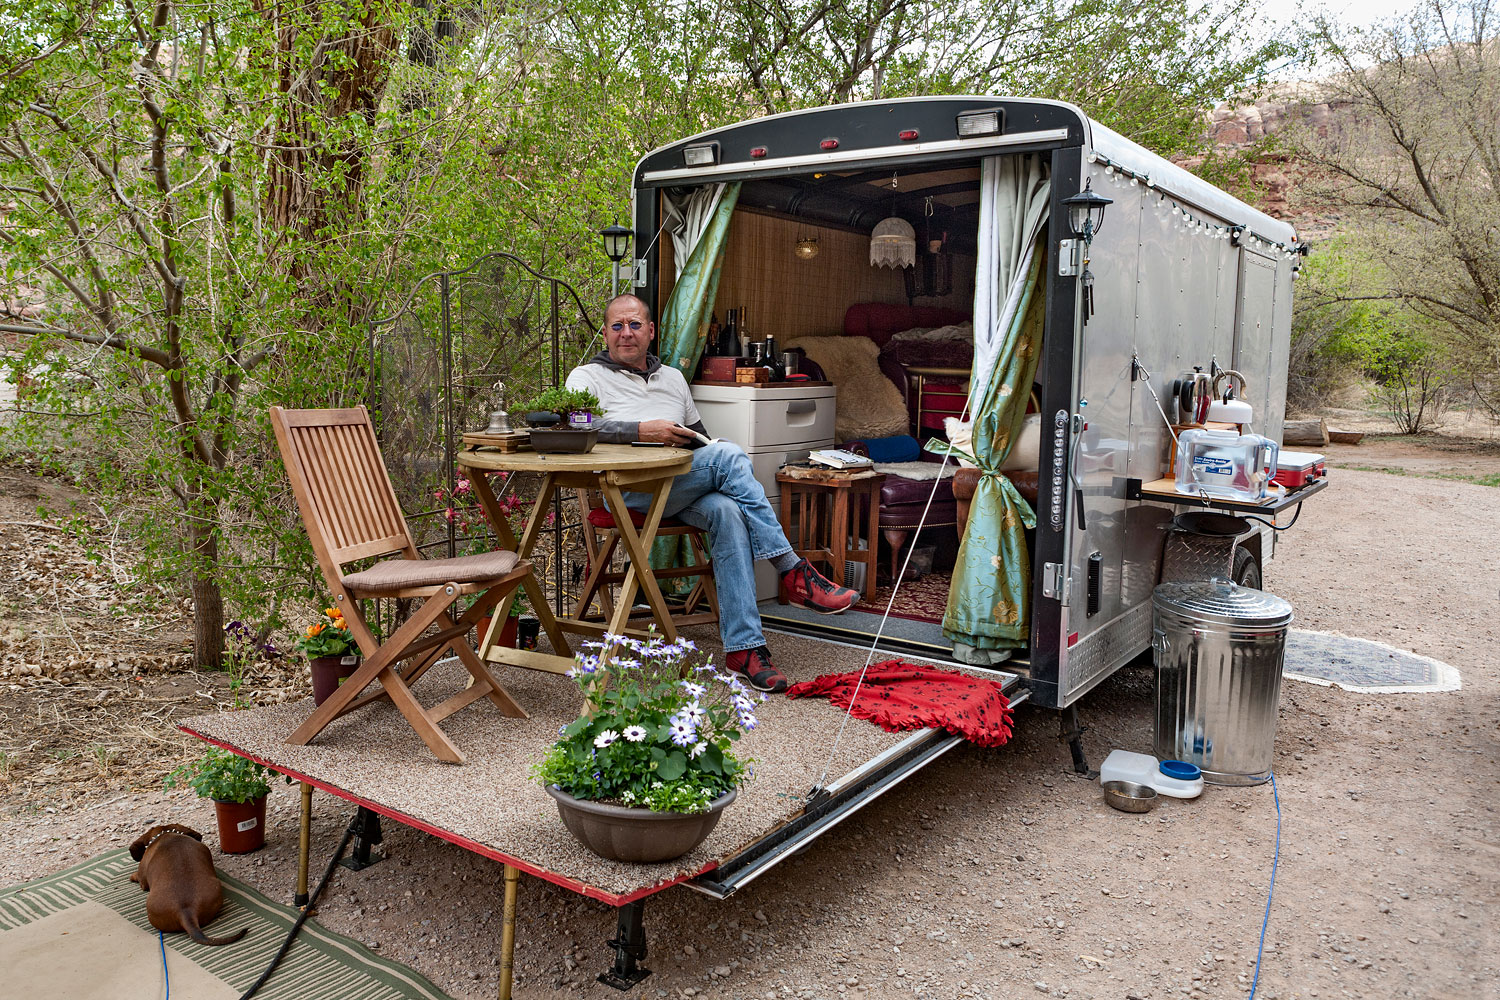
x: 1001, y: 874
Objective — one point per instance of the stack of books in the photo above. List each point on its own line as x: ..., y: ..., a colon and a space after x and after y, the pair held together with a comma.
x: 837, y: 458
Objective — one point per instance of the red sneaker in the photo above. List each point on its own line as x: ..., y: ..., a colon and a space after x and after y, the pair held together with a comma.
x: 807, y: 588
x: 756, y: 667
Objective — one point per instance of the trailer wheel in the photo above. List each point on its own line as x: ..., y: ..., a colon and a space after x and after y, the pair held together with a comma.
x: 1246, y: 569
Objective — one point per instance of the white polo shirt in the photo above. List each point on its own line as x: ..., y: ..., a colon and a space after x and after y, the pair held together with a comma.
x: 629, y: 395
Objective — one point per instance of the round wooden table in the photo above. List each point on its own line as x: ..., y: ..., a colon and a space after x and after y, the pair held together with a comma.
x: 612, y: 469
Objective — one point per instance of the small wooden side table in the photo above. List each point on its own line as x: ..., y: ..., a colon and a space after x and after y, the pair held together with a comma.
x: 827, y: 526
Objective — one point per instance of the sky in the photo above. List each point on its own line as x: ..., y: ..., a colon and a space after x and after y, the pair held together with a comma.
x: 1352, y: 11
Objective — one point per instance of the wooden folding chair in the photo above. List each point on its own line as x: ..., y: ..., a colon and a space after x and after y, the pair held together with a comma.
x: 601, y: 538
x: 349, y: 508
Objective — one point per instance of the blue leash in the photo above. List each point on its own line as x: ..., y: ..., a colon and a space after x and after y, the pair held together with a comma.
x: 161, y: 939
x: 1269, y: 891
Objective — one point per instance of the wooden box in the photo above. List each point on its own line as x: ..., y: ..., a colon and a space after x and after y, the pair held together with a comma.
x: 752, y: 376
x: 720, y: 369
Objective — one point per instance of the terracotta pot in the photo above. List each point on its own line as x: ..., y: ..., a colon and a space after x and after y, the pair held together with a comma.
x: 619, y: 833
x: 507, y: 636
x: 242, y: 825
x: 328, y: 672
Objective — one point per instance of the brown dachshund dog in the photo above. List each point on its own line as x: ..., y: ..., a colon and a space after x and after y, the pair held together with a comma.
x: 177, y: 872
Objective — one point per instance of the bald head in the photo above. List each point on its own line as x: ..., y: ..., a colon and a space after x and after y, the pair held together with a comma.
x: 626, y: 297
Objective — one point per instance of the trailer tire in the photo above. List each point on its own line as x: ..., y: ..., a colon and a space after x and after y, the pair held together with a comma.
x: 1246, y: 569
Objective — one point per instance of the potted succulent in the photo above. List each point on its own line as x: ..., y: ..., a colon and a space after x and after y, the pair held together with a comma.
x: 563, y: 420
x: 644, y: 775
x: 332, y: 654
x: 238, y: 787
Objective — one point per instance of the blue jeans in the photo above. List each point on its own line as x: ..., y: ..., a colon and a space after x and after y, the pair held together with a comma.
x: 722, y: 496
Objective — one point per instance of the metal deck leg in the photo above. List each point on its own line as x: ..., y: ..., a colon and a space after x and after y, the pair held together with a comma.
x: 508, y: 932
x: 629, y: 944
x: 364, y: 838
x: 1072, y: 731
x: 304, y: 844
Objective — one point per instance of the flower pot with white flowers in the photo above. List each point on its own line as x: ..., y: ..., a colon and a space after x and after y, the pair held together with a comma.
x: 644, y: 775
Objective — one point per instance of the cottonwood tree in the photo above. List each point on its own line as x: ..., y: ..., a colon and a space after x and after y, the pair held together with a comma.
x: 215, y: 197
x: 1146, y: 69
x: 1410, y: 159
x: 190, y: 185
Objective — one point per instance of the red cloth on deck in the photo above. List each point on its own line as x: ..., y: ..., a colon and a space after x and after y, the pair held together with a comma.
x: 899, y: 696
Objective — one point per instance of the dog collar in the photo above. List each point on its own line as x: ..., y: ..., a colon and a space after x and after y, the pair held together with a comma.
x: 158, y: 837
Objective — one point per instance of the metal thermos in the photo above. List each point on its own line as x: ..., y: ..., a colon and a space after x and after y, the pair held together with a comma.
x: 1195, y: 391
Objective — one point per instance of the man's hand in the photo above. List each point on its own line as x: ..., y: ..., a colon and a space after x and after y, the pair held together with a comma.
x: 664, y: 431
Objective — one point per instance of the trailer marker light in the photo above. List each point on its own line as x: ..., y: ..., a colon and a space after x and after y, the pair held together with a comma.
x: 829, y: 144
x: 1072, y: 640
x: 908, y: 134
x: 757, y: 152
x: 974, y: 123
x: 702, y: 155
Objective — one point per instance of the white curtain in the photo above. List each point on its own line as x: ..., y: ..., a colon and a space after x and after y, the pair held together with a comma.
x: 688, y: 215
x: 1014, y: 195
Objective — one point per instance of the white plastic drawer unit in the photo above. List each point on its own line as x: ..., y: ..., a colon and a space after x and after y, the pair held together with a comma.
x: 760, y: 417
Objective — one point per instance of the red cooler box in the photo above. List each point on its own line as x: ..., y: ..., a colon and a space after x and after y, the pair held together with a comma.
x: 1295, y: 469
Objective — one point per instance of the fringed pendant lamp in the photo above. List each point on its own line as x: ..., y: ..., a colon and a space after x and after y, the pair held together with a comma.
x: 893, y: 243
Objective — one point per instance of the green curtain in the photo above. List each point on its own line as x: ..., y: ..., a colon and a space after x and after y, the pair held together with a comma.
x: 991, y: 590
x: 683, y: 329
x: 681, y: 336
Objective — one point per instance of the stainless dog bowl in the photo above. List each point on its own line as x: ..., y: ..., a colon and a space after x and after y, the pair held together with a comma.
x: 1127, y: 796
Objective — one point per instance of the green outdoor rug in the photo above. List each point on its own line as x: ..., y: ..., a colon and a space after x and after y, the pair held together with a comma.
x: 83, y: 933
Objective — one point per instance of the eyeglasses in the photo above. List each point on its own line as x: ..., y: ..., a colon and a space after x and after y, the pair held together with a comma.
x: 634, y: 324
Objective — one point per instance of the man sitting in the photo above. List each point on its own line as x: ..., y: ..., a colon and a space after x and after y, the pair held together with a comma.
x: 645, y: 401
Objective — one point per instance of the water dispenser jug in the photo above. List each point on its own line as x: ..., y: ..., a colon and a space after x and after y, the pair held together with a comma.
x: 1225, y: 464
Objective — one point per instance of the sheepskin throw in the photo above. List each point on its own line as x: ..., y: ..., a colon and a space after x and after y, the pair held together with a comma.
x: 916, y: 470
x: 867, y: 404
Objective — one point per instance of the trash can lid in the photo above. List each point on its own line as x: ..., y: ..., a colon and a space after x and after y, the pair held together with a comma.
x: 1223, y: 602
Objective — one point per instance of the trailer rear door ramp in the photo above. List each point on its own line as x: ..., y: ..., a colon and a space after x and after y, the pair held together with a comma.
x: 840, y: 799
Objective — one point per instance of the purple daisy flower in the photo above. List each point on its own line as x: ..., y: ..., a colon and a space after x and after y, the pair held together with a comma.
x: 684, y: 733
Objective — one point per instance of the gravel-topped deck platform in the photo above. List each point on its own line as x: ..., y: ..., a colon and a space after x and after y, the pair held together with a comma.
x: 491, y: 806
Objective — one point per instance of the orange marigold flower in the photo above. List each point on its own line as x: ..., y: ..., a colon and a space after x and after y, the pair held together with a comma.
x: 313, y: 630
x: 332, y: 612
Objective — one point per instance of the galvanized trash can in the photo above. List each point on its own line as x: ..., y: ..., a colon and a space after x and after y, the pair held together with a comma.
x: 1218, y: 650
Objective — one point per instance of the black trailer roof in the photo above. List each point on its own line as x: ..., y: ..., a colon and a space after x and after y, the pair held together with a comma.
x: 854, y: 136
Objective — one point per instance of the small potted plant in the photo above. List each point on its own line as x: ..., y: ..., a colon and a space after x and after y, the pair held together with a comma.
x: 646, y: 773
x: 332, y: 654
x: 239, y: 787
x: 563, y: 420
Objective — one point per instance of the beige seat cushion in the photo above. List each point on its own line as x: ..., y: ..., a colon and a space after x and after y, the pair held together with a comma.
x: 400, y: 574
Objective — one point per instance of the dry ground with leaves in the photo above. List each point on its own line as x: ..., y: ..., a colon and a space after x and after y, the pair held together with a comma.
x: 995, y: 874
